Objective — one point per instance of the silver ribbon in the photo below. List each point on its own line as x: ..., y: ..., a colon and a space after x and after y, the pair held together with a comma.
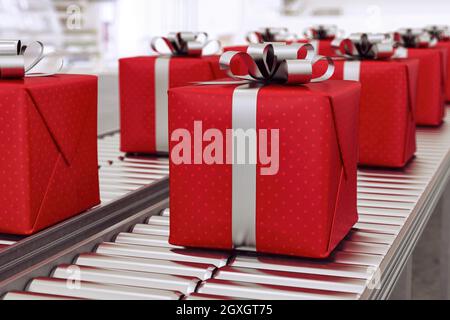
x: 161, y: 125
x: 441, y: 33
x: 277, y: 63
x: 266, y: 63
x: 322, y: 32
x: 18, y: 61
x: 270, y: 35
x: 192, y: 44
x: 362, y: 46
x: 414, y: 38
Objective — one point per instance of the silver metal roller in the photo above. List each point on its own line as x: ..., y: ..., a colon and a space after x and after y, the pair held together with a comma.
x: 218, y: 259
x: 367, y: 218
x: 183, y: 284
x: 384, y: 212
x: 268, y: 292
x: 98, y: 291
x: 159, y: 230
x: 144, y: 240
x: 362, y: 247
x: 22, y: 295
x: 286, y: 264
x: 201, y: 296
x: 189, y: 269
x: 291, y: 279
x: 165, y: 212
x: 370, y: 237
x: 158, y: 220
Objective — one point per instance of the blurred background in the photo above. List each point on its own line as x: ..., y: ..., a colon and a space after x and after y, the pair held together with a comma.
x: 94, y: 34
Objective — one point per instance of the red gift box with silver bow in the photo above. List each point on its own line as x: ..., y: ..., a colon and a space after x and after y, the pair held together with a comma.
x: 321, y: 38
x: 442, y: 34
x: 387, y: 130
x: 432, y: 73
x: 297, y: 194
x: 144, y: 82
x: 48, y: 141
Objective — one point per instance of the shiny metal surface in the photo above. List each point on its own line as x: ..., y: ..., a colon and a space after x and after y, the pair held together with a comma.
x: 158, y: 230
x: 271, y: 292
x: 183, y: 284
x: 186, y: 255
x: 198, y: 270
x: 144, y: 240
x: 91, y: 290
x: 22, y: 295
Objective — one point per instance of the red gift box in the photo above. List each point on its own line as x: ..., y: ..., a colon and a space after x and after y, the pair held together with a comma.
x: 144, y: 82
x: 446, y: 45
x: 305, y: 207
x: 387, y: 134
x: 431, y: 83
x: 322, y: 47
x: 49, y: 151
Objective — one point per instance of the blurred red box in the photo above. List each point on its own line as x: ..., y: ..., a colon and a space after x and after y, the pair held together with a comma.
x: 48, y: 141
x: 322, y: 47
x: 431, y: 83
x: 144, y: 82
x: 446, y: 45
x: 387, y: 130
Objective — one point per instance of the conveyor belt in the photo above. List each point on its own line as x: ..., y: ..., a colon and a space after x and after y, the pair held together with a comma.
x: 134, y: 260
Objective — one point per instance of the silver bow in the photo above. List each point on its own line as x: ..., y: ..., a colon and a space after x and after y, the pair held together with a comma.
x: 365, y: 46
x: 414, y: 38
x: 185, y: 43
x: 270, y: 35
x: 18, y: 61
x: 441, y: 33
x: 322, y: 32
x: 277, y: 63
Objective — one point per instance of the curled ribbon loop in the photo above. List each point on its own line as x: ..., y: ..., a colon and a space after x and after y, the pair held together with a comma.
x: 270, y: 35
x: 414, y: 38
x: 185, y: 44
x: 441, y: 33
x: 365, y: 46
x: 277, y: 63
x: 322, y: 32
x: 18, y: 61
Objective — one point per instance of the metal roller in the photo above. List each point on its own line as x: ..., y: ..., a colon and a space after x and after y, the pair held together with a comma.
x: 150, y: 229
x: 189, y: 269
x: 165, y: 212
x: 22, y: 295
x: 285, y: 264
x: 291, y: 279
x: 144, y: 240
x: 158, y: 220
x: 268, y: 292
x: 370, y: 237
x: 215, y: 258
x: 201, y: 296
x: 97, y: 291
x: 183, y: 284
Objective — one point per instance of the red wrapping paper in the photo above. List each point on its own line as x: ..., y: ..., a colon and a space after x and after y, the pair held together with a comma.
x: 387, y: 136
x: 137, y: 96
x: 431, y: 85
x: 323, y: 47
x: 309, y: 206
x: 48, y: 141
x: 446, y: 45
